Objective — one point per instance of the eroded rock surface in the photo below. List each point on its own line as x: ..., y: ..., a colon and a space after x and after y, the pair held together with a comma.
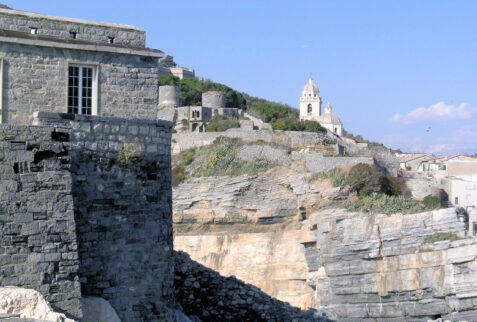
x: 381, y: 267
x: 16, y: 302
x: 272, y: 231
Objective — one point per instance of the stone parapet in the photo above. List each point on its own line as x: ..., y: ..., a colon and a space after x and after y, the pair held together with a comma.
x: 61, y: 27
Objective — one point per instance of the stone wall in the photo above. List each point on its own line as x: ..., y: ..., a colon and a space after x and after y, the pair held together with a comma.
x: 61, y: 27
x: 419, y: 187
x: 253, y: 152
x: 96, y: 212
x: 38, y: 245
x: 36, y: 78
x: 290, y: 139
x: 316, y: 162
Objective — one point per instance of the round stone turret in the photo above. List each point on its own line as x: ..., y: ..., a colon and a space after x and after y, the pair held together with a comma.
x: 168, y: 95
x: 213, y: 99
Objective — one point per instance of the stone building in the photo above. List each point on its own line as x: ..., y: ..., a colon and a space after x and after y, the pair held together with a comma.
x: 310, y: 109
x: 330, y: 121
x: 64, y: 65
x: 180, y: 72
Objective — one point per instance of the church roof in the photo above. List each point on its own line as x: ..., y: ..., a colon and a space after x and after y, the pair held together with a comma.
x: 329, y: 117
x: 310, y: 87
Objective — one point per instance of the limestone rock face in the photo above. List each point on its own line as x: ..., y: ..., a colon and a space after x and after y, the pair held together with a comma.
x: 379, y: 267
x: 273, y: 261
x: 353, y: 266
x: 283, y: 234
x: 28, y: 304
x: 265, y: 199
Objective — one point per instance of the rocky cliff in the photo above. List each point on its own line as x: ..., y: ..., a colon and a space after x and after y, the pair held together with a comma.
x: 284, y: 235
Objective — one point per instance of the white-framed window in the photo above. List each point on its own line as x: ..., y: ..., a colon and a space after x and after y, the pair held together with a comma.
x: 82, y: 92
x: 310, y: 108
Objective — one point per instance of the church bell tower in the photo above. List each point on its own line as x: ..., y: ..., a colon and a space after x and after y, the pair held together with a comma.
x: 310, y: 102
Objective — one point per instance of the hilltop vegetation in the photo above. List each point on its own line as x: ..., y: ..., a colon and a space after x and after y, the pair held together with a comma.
x: 191, y: 89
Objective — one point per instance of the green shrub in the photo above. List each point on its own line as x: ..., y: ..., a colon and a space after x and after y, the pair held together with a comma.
x: 222, y: 161
x: 366, y: 179
x: 337, y: 177
x: 440, y: 236
x: 292, y: 124
x: 318, y: 175
x: 128, y: 154
x: 385, y: 204
x: 431, y: 201
x: 244, y: 118
x: 239, y: 167
x: 188, y: 156
x: 220, y: 123
x: 178, y: 175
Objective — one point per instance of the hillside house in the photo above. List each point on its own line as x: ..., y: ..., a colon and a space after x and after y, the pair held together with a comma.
x: 412, y: 161
x: 55, y: 64
x: 453, y: 165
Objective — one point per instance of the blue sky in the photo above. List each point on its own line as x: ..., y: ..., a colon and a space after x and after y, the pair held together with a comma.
x: 398, y: 72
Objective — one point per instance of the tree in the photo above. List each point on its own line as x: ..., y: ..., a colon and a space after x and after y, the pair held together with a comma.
x: 168, y: 62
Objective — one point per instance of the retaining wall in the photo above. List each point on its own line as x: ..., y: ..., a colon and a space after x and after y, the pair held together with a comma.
x: 184, y: 141
x: 316, y: 162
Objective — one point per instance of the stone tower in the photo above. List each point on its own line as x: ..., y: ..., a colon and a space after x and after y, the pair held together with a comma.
x: 310, y: 102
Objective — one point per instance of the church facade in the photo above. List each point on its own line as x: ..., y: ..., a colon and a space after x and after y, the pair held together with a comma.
x: 310, y: 109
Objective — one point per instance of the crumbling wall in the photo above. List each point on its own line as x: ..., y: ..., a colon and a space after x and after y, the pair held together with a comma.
x: 38, y: 246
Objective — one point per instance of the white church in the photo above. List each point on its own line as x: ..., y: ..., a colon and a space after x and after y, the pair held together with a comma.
x: 310, y: 109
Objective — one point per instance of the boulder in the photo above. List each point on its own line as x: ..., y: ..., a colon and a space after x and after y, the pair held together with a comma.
x: 29, y: 304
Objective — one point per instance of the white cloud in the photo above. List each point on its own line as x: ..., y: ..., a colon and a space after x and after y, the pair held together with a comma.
x: 439, y: 141
x: 437, y: 111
